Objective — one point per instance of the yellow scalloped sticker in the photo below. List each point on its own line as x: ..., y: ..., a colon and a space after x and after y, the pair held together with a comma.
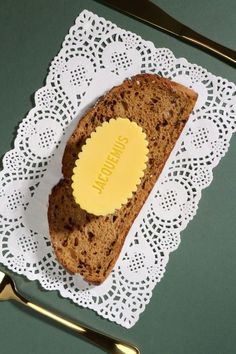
x: 110, y: 166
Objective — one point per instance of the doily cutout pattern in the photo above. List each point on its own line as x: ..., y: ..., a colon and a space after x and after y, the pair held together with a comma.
x: 95, y: 56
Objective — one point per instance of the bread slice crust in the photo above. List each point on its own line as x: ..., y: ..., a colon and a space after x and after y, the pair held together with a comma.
x: 89, y: 244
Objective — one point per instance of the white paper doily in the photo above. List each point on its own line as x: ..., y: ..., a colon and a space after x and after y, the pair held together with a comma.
x: 95, y: 56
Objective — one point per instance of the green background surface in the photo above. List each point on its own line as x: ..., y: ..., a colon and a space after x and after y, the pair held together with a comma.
x: 193, y: 309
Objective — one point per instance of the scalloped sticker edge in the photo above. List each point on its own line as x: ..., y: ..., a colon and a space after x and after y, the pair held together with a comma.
x: 107, y: 127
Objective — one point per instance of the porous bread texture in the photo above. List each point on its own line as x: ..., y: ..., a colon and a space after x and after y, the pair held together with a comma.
x: 88, y: 244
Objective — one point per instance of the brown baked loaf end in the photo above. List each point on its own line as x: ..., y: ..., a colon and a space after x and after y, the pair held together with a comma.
x: 88, y: 244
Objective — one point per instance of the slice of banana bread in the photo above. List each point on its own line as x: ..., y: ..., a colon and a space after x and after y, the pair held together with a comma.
x: 88, y: 244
